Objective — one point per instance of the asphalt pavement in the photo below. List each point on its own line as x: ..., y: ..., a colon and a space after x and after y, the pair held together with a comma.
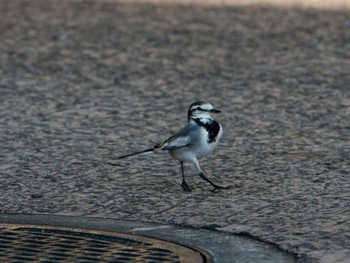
x: 82, y: 82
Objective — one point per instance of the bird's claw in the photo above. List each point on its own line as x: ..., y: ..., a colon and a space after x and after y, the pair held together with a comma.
x: 185, y: 187
x: 217, y: 188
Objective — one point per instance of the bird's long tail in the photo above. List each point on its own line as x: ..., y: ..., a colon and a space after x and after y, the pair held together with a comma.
x: 130, y: 154
x: 150, y: 150
x: 136, y: 153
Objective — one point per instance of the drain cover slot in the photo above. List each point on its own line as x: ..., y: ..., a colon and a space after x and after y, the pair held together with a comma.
x: 34, y: 243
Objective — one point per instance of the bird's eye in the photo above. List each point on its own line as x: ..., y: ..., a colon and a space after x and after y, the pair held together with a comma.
x: 199, y: 108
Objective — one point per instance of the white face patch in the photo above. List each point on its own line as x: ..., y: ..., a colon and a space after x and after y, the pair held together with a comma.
x: 207, y: 107
x: 200, y: 110
x: 200, y: 114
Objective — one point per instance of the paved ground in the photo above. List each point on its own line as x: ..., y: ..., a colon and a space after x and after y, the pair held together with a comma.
x: 86, y: 81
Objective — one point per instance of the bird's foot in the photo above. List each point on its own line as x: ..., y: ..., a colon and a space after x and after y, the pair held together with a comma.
x: 218, y: 187
x: 185, y: 187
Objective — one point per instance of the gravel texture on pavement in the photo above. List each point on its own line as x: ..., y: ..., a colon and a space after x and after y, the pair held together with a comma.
x: 82, y: 82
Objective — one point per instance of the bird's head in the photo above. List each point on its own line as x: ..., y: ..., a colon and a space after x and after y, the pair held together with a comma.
x: 201, y: 109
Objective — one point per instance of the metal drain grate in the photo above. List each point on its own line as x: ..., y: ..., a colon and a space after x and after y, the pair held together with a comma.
x: 32, y: 243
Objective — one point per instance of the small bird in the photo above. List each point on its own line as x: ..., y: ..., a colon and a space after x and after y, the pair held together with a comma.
x: 195, y: 141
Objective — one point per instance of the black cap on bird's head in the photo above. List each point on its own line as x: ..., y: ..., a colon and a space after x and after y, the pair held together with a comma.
x: 201, y: 109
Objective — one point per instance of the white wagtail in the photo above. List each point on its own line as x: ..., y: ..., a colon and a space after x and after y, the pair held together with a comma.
x: 197, y: 140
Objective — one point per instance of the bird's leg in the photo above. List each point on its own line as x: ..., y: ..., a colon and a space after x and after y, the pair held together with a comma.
x: 184, y: 184
x: 198, y: 168
x: 216, y: 187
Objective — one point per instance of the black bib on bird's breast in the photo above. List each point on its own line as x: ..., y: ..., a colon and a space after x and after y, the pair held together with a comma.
x: 212, y: 128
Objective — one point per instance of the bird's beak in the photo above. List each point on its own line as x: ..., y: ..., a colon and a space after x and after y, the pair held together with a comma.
x: 215, y: 111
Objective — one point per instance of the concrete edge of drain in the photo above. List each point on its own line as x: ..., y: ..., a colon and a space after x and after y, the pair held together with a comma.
x: 222, y: 247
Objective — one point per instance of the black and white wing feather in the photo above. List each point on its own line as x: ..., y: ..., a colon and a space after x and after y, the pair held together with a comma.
x: 179, y: 140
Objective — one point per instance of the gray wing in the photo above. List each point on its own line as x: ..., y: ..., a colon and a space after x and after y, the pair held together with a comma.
x: 181, y: 139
